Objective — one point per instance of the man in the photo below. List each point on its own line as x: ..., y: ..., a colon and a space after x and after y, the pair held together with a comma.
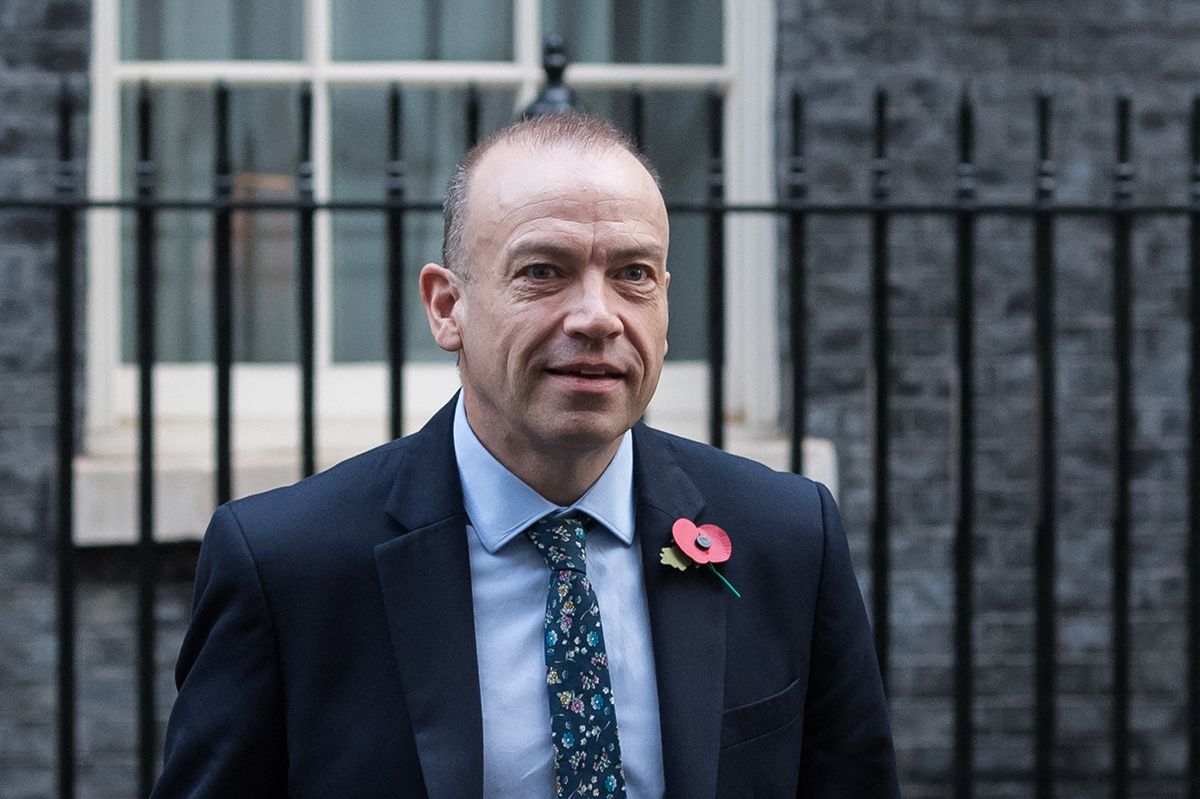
x: 391, y: 627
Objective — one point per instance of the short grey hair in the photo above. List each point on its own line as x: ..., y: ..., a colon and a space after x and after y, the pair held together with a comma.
x: 574, y: 128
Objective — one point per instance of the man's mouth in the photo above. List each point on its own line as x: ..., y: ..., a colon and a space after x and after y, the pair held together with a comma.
x: 588, y: 371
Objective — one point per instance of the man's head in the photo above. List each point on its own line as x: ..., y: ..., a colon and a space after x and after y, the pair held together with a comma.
x: 554, y: 290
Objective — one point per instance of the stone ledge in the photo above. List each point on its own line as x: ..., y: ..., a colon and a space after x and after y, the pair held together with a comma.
x: 106, y: 485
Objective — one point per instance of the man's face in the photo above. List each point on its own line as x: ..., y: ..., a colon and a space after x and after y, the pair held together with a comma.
x: 561, y: 326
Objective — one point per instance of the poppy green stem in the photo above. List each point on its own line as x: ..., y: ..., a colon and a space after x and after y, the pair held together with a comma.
x: 727, y: 583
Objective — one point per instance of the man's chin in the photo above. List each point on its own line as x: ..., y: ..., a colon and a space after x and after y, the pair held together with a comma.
x: 585, y: 431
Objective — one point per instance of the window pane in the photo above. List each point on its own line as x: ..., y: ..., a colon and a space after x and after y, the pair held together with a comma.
x: 428, y: 30
x: 263, y: 135
x: 434, y: 137
x: 637, y: 31
x: 212, y: 29
x: 675, y: 138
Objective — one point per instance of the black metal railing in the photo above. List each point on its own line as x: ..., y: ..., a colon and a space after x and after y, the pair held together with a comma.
x: 1045, y: 563
x: 66, y: 218
x: 795, y: 211
x: 147, y: 282
x: 964, y: 434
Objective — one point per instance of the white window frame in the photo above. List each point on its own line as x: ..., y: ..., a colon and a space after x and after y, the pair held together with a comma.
x: 265, y: 396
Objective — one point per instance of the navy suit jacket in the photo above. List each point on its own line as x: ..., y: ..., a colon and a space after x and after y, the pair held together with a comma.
x: 331, y: 651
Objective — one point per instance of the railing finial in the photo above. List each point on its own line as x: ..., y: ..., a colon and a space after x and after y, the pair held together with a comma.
x: 555, y: 97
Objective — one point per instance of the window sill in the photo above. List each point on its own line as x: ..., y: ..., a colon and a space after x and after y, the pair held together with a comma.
x: 106, y: 485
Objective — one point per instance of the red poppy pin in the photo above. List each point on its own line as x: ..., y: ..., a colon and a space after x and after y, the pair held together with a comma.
x: 705, y: 545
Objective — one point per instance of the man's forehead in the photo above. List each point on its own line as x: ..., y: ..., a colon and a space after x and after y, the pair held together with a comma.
x: 520, y: 177
x: 519, y: 155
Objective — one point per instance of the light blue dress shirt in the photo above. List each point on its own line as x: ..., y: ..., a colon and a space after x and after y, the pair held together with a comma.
x: 509, y: 581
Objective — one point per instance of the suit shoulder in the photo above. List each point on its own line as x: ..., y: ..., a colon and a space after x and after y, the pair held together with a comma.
x: 779, y: 521
x: 329, y: 500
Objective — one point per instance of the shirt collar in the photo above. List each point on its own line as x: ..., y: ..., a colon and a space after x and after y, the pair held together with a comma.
x: 500, y: 505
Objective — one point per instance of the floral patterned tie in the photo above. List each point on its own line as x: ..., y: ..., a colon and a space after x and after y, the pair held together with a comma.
x: 583, y: 720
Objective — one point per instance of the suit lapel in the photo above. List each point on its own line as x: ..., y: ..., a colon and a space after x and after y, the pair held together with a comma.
x: 687, y: 621
x: 426, y: 580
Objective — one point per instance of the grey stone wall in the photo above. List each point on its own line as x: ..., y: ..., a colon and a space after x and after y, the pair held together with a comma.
x: 41, y: 41
x: 1084, y: 53
x: 107, y: 731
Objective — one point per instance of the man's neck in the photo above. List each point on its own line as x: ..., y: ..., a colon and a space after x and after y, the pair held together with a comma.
x: 559, y: 472
x: 561, y: 480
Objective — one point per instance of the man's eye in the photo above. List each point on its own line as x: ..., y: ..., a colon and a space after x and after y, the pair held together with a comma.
x: 540, y: 272
x: 636, y: 273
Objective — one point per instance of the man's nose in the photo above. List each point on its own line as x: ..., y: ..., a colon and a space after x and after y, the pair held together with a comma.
x: 592, y: 313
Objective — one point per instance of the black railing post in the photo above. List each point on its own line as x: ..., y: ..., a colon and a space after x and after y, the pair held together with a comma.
x: 1122, y: 229
x: 147, y: 325
x: 1193, y: 475
x: 67, y: 190
x: 637, y: 117
x: 964, y: 435
x: 473, y: 115
x: 223, y: 295
x: 797, y: 194
x: 880, y: 555
x: 306, y: 284
x: 1045, y: 656
x: 716, y: 270
x: 395, y: 263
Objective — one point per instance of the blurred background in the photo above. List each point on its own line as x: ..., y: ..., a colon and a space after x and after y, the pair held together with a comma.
x: 943, y: 256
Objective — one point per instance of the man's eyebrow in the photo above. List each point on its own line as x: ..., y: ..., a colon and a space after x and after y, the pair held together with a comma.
x: 650, y: 252
x: 541, y: 248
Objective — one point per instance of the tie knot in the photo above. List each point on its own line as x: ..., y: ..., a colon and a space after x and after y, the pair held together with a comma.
x: 561, y: 542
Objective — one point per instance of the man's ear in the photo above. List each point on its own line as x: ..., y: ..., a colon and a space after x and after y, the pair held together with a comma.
x: 667, y: 284
x: 440, y: 296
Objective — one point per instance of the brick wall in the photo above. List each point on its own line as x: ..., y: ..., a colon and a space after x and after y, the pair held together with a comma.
x: 40, y: 42
x: 924, y: 52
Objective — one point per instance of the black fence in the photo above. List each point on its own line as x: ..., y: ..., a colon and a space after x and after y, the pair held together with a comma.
x: 795, y: 211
